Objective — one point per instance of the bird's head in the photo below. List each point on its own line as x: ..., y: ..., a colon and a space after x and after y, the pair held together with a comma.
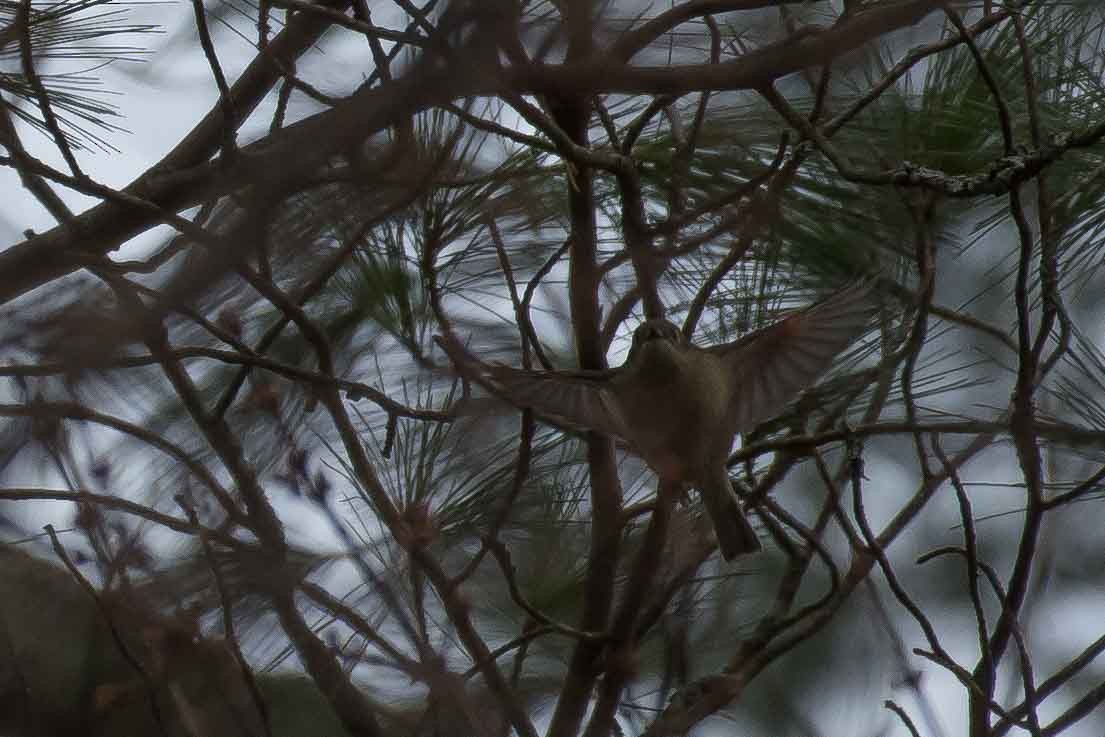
x: 656, y: 332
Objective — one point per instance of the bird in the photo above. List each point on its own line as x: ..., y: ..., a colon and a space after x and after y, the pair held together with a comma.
x: 678, y: 406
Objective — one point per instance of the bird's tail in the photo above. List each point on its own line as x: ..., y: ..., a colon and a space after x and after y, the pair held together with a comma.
x: 735, y: 535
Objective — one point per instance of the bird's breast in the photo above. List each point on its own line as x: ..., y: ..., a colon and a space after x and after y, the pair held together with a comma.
x: 674, y: 404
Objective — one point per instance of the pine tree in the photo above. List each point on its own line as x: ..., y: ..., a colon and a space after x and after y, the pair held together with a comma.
x: 277, y: 506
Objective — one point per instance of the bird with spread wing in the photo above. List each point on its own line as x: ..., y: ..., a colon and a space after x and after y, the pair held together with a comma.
x: 678, y: 406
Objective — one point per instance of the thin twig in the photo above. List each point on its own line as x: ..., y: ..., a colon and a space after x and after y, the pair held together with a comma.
x: 120, y: 643
x: 23, y: 21
x: 1004, y: 118
x: 228, y: 618
x: 226, y: 104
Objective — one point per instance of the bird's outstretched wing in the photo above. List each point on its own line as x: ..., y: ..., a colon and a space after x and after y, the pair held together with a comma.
x: 578, y: 401
x: 574, y: 400
x: 769, y: 367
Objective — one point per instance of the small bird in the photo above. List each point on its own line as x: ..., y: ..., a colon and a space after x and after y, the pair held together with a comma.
x: 678, y: 406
